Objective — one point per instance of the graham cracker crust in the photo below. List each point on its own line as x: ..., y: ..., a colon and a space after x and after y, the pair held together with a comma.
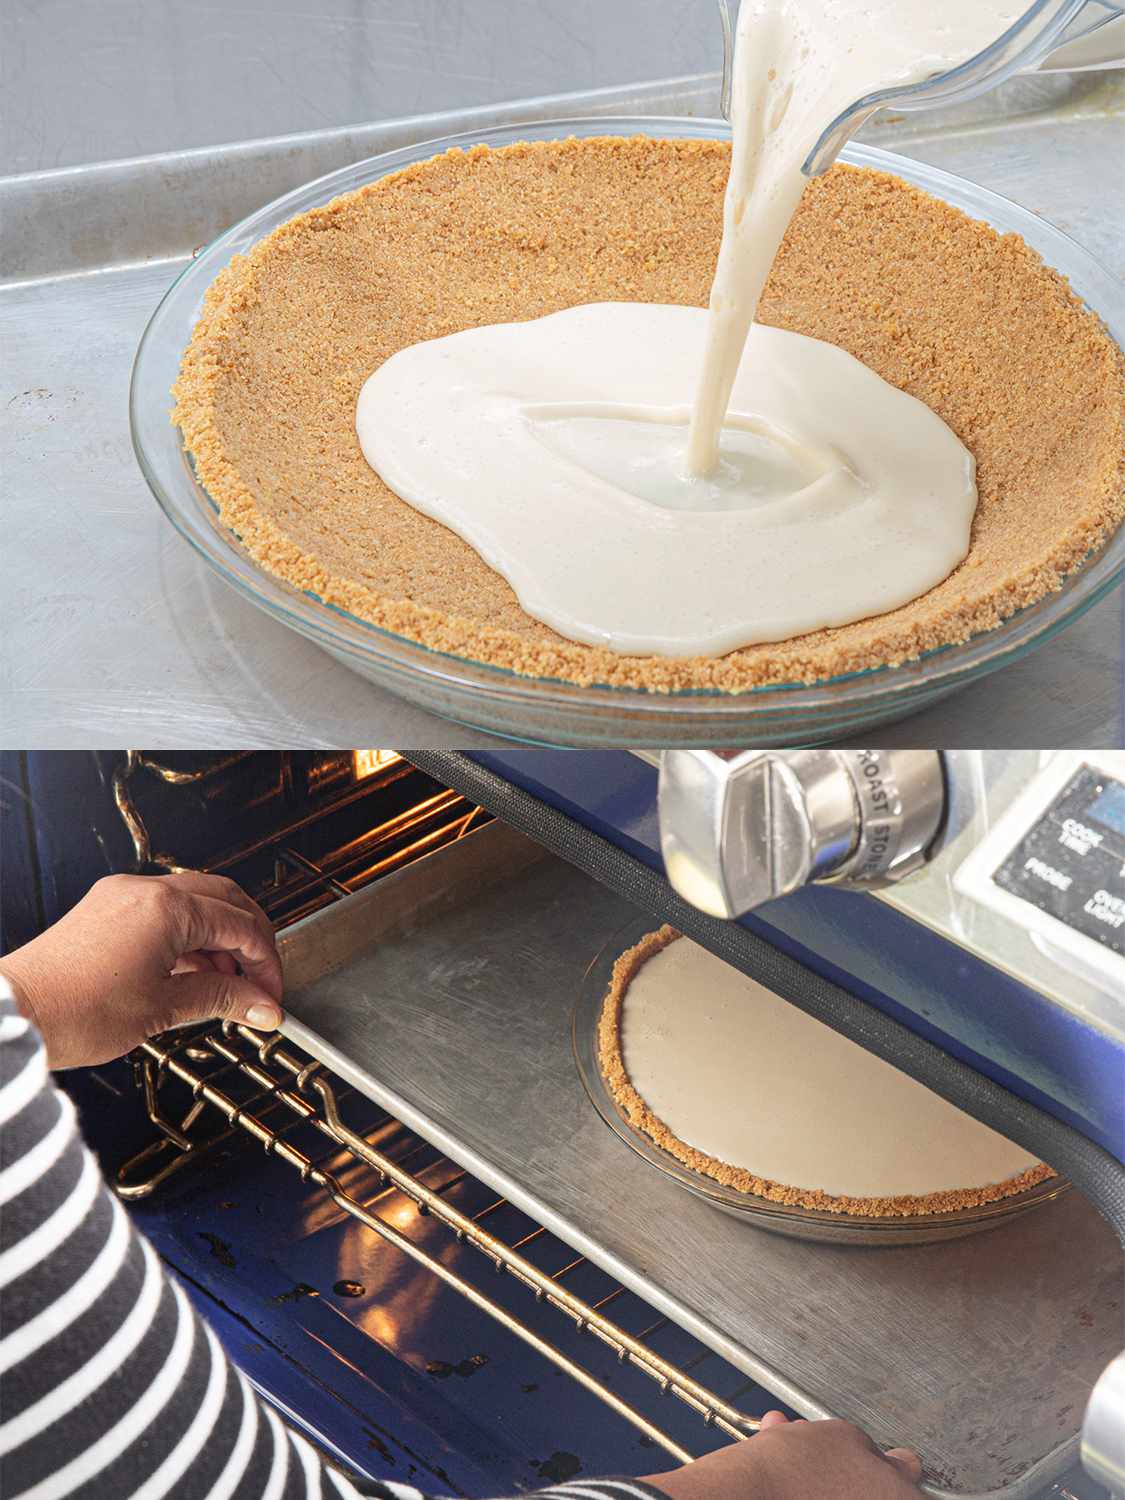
x: 969, y: 321
x: 637, y: 1112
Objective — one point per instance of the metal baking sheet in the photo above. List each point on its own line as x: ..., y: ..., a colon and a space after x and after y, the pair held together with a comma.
x: 111, y: 627
x: 445, y: 993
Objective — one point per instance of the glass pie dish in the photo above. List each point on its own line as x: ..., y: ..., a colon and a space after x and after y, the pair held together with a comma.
x: 547, y: 711
x: 795, y: 1222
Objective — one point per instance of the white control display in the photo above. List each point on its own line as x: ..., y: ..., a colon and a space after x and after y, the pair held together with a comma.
x: 1055, y: 862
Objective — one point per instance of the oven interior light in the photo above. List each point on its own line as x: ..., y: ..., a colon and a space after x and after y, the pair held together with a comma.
x: 367, y: 762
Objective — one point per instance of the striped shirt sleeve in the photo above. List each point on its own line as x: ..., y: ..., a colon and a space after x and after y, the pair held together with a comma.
x: 110, y: 1384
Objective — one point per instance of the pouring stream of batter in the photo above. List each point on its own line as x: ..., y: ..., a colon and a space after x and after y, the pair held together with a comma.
x: 797, y: 65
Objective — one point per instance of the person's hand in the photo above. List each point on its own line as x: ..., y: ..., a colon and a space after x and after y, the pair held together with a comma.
x: 798, y: 1461
x: 140, y: 954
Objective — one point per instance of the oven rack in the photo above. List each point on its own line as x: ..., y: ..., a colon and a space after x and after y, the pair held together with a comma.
x: 238, y: 1081
x: 299, y: 885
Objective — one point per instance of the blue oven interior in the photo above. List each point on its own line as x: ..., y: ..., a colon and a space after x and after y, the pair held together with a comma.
x: 391, y: 1369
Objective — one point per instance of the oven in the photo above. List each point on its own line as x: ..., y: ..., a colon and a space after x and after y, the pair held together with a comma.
x: 417, y: 1237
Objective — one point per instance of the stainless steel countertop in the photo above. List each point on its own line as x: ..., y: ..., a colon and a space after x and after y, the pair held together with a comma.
x: 449, y: 987
x: 111, y: 628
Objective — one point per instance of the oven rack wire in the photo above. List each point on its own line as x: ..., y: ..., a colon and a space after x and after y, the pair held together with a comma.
x: 284, y: 1090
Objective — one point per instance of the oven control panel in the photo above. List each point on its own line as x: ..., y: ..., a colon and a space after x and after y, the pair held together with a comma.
x: 1071, y: 864
x: 1055, y: 862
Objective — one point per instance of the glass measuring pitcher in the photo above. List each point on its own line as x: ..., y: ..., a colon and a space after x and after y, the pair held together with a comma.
x: 1045, y: 26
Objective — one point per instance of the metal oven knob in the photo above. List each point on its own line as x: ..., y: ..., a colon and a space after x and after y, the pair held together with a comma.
x: 741, y: 828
